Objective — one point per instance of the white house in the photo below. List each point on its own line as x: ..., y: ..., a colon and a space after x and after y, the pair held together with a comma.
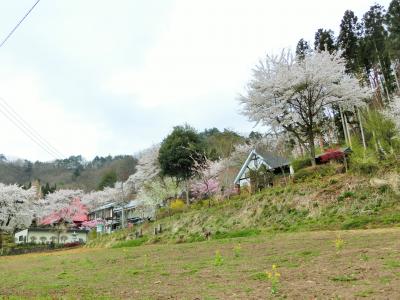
x: 40, y: 235
x: 257, y: 158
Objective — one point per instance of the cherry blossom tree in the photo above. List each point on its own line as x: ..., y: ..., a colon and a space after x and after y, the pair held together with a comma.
x: 206, y: 182
x: 94, y: 199
x: 393, y: 111
x: 296, y: 95
x: 17, y: 208
x: 147, y: 169
x: 58, y: 200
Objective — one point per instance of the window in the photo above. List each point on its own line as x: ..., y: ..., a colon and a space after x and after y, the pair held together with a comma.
x: 20, y: 238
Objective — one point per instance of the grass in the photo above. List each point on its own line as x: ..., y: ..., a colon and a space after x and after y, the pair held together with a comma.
x: 308, y: 262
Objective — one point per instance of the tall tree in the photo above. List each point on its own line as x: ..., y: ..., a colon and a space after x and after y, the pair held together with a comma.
x: 302, y: 49
x: 348, y: 41
x: 178, y: 154
x: 393, y: 25
x: 17, y: 208
x: 324, y: 40
x: 375, y: 44
x: 108, y: 180
x: 295, y: 96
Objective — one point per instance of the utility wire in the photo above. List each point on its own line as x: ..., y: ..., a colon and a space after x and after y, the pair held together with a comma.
x: 17, y: 117
x: 19, y: 23
x: 27, y: 133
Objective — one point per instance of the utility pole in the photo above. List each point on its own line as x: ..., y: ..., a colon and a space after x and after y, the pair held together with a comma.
x: 122, y: 207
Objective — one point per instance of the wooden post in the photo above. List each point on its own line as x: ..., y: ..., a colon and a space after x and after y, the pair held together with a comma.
x: 155, y: 231
x: 159, y: 228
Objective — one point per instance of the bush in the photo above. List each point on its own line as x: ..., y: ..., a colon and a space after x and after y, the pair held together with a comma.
x: 315, y: 172
x: 301, y: 163
x: 177, y: 205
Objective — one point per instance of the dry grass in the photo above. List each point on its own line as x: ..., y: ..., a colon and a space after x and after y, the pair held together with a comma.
x: 368, y: 266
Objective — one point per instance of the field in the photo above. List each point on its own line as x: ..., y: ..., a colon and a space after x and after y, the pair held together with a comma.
x: 321, y: 264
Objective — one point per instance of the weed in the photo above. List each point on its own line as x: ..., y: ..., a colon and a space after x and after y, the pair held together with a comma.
x: 259, y: 276
x: 274, y: 279
x: 237, y: 250
x: 365, y: 293
x: 392, y: 264
x: 339, y: 243
x: 364, y: 257
x: 133, y: 272
x: 218, y: 259
x: 344, y: 278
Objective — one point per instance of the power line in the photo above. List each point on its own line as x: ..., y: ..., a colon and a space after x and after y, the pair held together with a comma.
x: 22, y: 127
x: 19, y: 23
x: 29, y: 128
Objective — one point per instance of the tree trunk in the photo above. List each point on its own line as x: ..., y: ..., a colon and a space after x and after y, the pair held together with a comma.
x: 187, y: 192
x: 1, y: 239
x: 312, y: 147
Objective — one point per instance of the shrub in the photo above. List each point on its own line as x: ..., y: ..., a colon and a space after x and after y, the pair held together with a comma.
x: 315, y: 172
x: 301, y: 163
x: 177, y: 205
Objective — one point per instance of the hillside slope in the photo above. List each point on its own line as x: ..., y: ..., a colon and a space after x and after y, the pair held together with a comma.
x: 323, y: 200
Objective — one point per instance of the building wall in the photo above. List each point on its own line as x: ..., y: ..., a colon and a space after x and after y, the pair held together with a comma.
x: 21, y: 236
x: 31, y: 235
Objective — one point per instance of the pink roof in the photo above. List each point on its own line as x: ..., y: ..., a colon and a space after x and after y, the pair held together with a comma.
x: 76, y: 212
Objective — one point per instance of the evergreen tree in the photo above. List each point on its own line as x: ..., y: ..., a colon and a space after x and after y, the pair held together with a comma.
x: 180, y: 153
x: 302, y: 49
x: 349, y: 41
x: 108, y: 180
x: 324, y: 39
x: 393, y: 26
x: 375, y: 43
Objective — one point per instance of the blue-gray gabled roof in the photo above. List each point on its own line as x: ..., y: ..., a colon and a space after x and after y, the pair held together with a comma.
x: 271, y: 160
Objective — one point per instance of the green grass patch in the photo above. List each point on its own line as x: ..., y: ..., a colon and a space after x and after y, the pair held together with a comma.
x: 235, y: 234
x: 344, y: 278
x: 131, y: 243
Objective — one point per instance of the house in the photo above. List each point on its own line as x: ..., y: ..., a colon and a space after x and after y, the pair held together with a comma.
x: 40, y: 235
x: 108, y: 217
x: 257, y: 160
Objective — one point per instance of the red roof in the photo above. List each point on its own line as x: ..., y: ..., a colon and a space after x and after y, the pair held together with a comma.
x: 76, y: 213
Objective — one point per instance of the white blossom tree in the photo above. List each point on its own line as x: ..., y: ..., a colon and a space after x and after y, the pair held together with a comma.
x: 17, y: 208
x: 58, y: 200
x: 393, y: 111
x: 295, y: 95
x: 147, y: 168
x: 97, y: 198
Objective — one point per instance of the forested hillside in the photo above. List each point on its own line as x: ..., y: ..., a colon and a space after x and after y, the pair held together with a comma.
x: 72, y: 173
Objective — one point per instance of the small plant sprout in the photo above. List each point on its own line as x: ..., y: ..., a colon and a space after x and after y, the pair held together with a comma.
x: 237, y: 249
x: 339, y: 243
x: 218, y: 259
x: 274, y: 278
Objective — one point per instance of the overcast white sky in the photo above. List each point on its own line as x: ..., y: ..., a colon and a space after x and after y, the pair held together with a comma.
x: 99, y: 77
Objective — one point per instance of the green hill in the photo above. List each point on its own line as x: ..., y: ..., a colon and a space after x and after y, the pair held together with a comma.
x: 74, y: 172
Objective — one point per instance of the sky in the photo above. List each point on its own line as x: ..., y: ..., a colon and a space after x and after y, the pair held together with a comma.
x: 100, y: 77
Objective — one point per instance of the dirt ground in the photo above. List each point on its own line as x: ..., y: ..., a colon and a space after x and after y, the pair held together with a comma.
x: 312, y: 265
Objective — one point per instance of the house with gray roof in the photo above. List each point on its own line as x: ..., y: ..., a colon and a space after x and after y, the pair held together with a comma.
x: 257, y: 158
